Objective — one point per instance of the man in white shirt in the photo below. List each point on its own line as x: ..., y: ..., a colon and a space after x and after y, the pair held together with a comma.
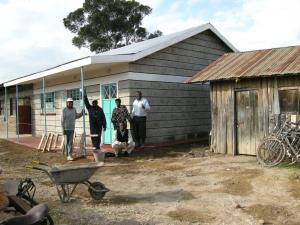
x: 139, y: 114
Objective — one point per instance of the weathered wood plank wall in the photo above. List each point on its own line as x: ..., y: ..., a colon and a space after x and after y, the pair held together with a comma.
x: 222, y: 95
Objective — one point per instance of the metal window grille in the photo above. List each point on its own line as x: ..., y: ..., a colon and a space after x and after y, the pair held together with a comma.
x: 109, y: 91
x: 75, y: 94
x: 49, y: 100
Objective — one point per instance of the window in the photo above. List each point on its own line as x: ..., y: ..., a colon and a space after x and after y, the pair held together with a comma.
x: 49, y: 100
x: 109, y: 91
x: 289, y: 101
x: 11, y: 106
x: 75, y: 94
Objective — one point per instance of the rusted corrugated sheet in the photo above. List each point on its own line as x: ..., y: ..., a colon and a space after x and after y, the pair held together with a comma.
x: 269, y: 62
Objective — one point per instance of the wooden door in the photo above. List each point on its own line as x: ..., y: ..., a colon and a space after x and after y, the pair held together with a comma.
x: 24, y: 119
x: 246, y: 121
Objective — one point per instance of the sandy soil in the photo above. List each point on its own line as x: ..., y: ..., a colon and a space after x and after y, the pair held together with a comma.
x: 173, y: 185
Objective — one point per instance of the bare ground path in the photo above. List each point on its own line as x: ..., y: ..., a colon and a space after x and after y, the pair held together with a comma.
x: 172, y: 185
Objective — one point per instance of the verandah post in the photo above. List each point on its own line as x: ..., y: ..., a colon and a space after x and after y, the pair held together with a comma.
x: 44, y: 103
x: 82, y: 103
x: 17, y: 110
x: 6, y: 112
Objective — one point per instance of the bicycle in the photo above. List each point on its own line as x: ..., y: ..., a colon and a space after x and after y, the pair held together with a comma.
x: 283, y: 141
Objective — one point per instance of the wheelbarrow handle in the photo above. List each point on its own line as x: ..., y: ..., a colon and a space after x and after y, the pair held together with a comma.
x: 37, y: 168
x: 39, y: 163
x: 43, y: 164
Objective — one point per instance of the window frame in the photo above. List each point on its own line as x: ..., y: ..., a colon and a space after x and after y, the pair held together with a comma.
x: 297, y: 110
x: 49, y: 96
x: 77, y: 99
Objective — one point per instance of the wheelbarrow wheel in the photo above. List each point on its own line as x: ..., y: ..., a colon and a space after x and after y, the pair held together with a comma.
x: 97, y: 190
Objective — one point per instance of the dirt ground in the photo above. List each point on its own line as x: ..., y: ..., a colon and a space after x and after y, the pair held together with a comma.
x: 177, y: 185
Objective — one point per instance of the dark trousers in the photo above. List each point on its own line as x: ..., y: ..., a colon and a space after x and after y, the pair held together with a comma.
x: 96, y: 140
x: 139, y: 129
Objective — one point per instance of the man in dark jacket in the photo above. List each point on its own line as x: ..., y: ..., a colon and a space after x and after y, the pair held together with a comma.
x: 97, y: 121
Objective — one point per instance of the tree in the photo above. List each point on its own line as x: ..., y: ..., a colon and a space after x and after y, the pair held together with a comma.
x: 101, y: 25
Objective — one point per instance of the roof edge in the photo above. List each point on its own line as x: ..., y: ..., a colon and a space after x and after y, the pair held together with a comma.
x: 63, y: 67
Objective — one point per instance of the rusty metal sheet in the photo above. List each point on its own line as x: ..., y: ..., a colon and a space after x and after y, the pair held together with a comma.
x: 260, y: 63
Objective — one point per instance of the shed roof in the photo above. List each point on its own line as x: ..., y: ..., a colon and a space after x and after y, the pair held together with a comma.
x: 259, y: 63
x: 125, y: 54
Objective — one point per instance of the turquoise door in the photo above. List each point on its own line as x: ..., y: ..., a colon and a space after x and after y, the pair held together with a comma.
x: 109, y: 95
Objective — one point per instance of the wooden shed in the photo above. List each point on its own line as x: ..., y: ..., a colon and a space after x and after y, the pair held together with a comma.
x: 249, y: 91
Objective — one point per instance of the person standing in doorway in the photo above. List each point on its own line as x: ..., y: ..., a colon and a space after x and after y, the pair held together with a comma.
x: 120, y: 114
x: 97, y: 122
x: 139, y: 114
x: 69, y: 115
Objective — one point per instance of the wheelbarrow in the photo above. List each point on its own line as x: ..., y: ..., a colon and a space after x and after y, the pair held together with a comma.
x: 66, y: 179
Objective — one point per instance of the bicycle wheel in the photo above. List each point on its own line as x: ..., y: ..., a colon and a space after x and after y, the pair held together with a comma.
x: 270, y: 152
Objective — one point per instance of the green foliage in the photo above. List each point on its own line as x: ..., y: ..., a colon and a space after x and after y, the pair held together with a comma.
x: 101, y: 25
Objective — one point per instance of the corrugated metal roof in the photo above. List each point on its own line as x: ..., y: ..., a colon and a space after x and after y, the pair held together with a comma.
x: 260, y: 63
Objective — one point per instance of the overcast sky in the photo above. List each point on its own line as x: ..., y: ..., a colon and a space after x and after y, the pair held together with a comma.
x: 33, y: 36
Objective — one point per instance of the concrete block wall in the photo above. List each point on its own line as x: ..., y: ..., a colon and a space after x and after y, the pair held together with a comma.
x: 178, y: 111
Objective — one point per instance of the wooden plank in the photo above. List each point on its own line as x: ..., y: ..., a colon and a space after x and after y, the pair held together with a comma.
x: 50, y: 141
x: 198, y: 48
x: 180, y: 58
x: 230, y: 120
x: 162, y: 70
x: 158, y: 85
x: 209, y: 36
x: 167, y: 93
x: 41, y: 142
x: 240, y: 102
x: 55, y: 141
x: 46, y: 142
x: 159, y: 101
x: 172, y: 138
x: 195, y: 54
x: 213, y: 116
x: 253, y: 122
x: 224, y: 119
x: 265, y: 107
x: 178, y: 130
x: 200, y: 42
x: 219, y: 118
x: 172, y: 64
x: 260, y: 117
x: 62, y: 143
